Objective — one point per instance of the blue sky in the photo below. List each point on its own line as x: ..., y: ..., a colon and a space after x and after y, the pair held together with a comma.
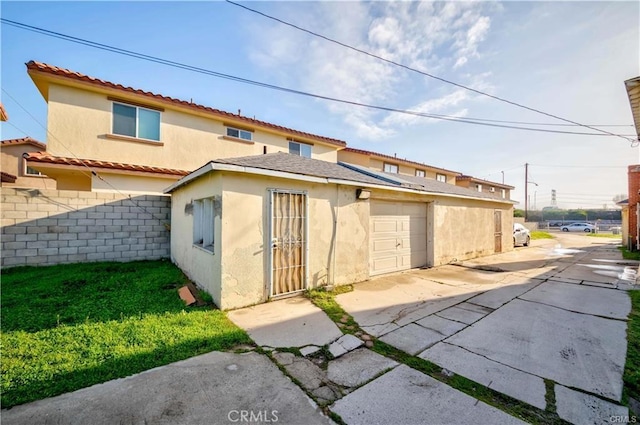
x: 565, y: 58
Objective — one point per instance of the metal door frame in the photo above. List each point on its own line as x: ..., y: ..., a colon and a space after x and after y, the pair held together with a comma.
x: 305, y: 251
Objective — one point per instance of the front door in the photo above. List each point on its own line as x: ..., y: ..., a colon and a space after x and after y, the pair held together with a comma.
x: 288, y: 236
x: 497, y: 231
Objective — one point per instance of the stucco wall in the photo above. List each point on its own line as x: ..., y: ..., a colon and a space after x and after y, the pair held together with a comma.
x: 201, y: 266
x: 13, y: 163
x: 625, y: 226
x: 188, y: 140
x: 130, y: 183
x: 44, y: 227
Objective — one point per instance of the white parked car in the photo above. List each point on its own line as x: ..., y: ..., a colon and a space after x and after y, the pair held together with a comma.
x: 579, y: 227
x: 521, y: 235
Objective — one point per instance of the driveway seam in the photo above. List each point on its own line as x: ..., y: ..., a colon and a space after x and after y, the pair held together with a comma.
x: 573, y: 311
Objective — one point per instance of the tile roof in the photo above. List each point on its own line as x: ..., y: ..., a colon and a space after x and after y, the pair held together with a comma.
x: 66, y: 73
x: 296, y: 164
x: 474, y: 179
x: 7, y: 178
x: 44, y: 158
x: 425, y: 184
x: 393, y: 158
x: 3, y: 113
x: 24, y: 141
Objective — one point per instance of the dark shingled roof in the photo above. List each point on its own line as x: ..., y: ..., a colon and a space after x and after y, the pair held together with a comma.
x: 296, y: 164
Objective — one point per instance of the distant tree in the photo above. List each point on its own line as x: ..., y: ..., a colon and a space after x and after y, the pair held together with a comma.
x: 518, y: 213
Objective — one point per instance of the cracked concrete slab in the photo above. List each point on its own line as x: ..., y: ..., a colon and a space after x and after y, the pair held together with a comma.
x: 209, y: 389
x: 498, y: 297
x: 412, y: 338
x: 461, y: 315
x: 292, y: 322
x: 475, y: 308
x: 580, y: 408
x: 573, y: 349
x: 384, y: 304
x: 583, y: 299
x: 441, y: 325
x: 357, y: 367
x: 507, y: 380
x: 406, y: 396
x: 344, y: 344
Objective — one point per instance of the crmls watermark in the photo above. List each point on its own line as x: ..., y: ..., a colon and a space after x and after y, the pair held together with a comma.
x: 253, y: 416
x: 623, y: 419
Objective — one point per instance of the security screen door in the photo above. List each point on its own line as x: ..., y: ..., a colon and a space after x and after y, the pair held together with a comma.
x: 288, y: 238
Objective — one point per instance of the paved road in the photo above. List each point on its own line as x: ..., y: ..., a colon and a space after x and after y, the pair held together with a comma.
x: 554, y: 311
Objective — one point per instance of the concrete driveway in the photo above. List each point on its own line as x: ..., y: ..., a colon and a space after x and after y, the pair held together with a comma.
x: 556, y: 311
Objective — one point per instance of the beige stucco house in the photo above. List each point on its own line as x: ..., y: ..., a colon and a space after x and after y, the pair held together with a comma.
x: 258, y: 227
x: 499, y: 190
x: 117, y: 130
x: 15, y: 171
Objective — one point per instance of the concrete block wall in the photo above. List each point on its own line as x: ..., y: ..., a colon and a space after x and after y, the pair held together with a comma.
x: 45, y: 227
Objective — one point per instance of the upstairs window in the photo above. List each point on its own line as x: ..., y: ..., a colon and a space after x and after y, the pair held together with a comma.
x: 239, y: 134
x: 28, y: 171
x: 419, y: 173
x: 203, y: 220
x: 134, y: 121
x: 479, y: 187
x: 390, y: 168
x: 504, y: 193
x: 441, y: 178
x: 301, y: 149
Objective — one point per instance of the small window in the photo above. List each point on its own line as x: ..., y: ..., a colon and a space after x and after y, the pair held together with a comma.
x: 479, y: 187
x: 134, y: 121
x: 203, y: 221
x: 390, y: 168
x: 29, y: 171
x: 492, y: 189
x: 239, y: 134
x: 420, y: 173
x: 504, y: 194
x: 441, y: 178
x: 302, y: 149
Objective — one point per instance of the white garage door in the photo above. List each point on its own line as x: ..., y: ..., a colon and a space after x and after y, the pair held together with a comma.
x: 398, y: 236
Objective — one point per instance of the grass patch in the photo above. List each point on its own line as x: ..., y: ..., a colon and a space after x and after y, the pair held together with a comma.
x: 325, y: 300
x: 71, y: 326
x: 604, y: 235
x: 539, y: 234
x: 629, y: 255
x: 632, y: 367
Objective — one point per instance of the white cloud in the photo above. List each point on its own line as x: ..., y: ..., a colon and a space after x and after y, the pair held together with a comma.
x: 432, y: 37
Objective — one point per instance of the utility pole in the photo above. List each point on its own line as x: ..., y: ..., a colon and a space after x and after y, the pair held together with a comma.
x: 526, y: 190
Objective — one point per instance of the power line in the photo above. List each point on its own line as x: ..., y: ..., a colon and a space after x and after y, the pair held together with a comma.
x: 392, y: 62
x: 192, y: 68
x: 92, y: 172
x: 579, y: 166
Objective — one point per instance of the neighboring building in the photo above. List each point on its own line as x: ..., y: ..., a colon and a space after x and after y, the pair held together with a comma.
x: 499, y: 190
x: 632, y: 240
x: 101, y: 121
x: 633, y: 92
x: 624, y: 212
x: 393, y: 165
x: 258, y: 227
x: 15, y: 171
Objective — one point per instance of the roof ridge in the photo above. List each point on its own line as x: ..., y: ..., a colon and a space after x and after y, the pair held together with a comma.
x: 367, y: 152
x: 67, y: 73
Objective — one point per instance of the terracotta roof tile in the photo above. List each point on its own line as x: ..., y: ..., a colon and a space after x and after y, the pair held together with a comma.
x: 43, y: 158
x: 474, y: 179
x: 381, y: 155
x: 3, y: 113
x: 7, y: 178
x: 24, y: 141
x: 62, y: 72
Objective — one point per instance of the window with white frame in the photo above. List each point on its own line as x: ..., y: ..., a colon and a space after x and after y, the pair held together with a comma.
x: 29, y: 171
x: 492, y: 189
x: 239, y: 134
x: 419, y: 173
x: 441, y: 178
x: 390, y: 168
x: 504, y: 193
x: 203, y: 222
x: 479, y: 187
x: 135, y: 121
x: 301, y: 149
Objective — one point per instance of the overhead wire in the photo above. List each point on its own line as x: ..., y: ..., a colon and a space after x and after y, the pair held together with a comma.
x: 426, y: 74
x: 192, y: 68
x: 92, y: 172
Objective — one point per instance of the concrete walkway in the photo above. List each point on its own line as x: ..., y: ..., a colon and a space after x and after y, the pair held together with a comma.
x: 554, y: 311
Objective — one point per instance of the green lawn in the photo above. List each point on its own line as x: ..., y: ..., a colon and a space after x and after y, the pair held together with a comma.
x: 539, y: 234
x: 604, y: 235
x: 630, y: 255
x: 632, y: 368
x: 71, y: 326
